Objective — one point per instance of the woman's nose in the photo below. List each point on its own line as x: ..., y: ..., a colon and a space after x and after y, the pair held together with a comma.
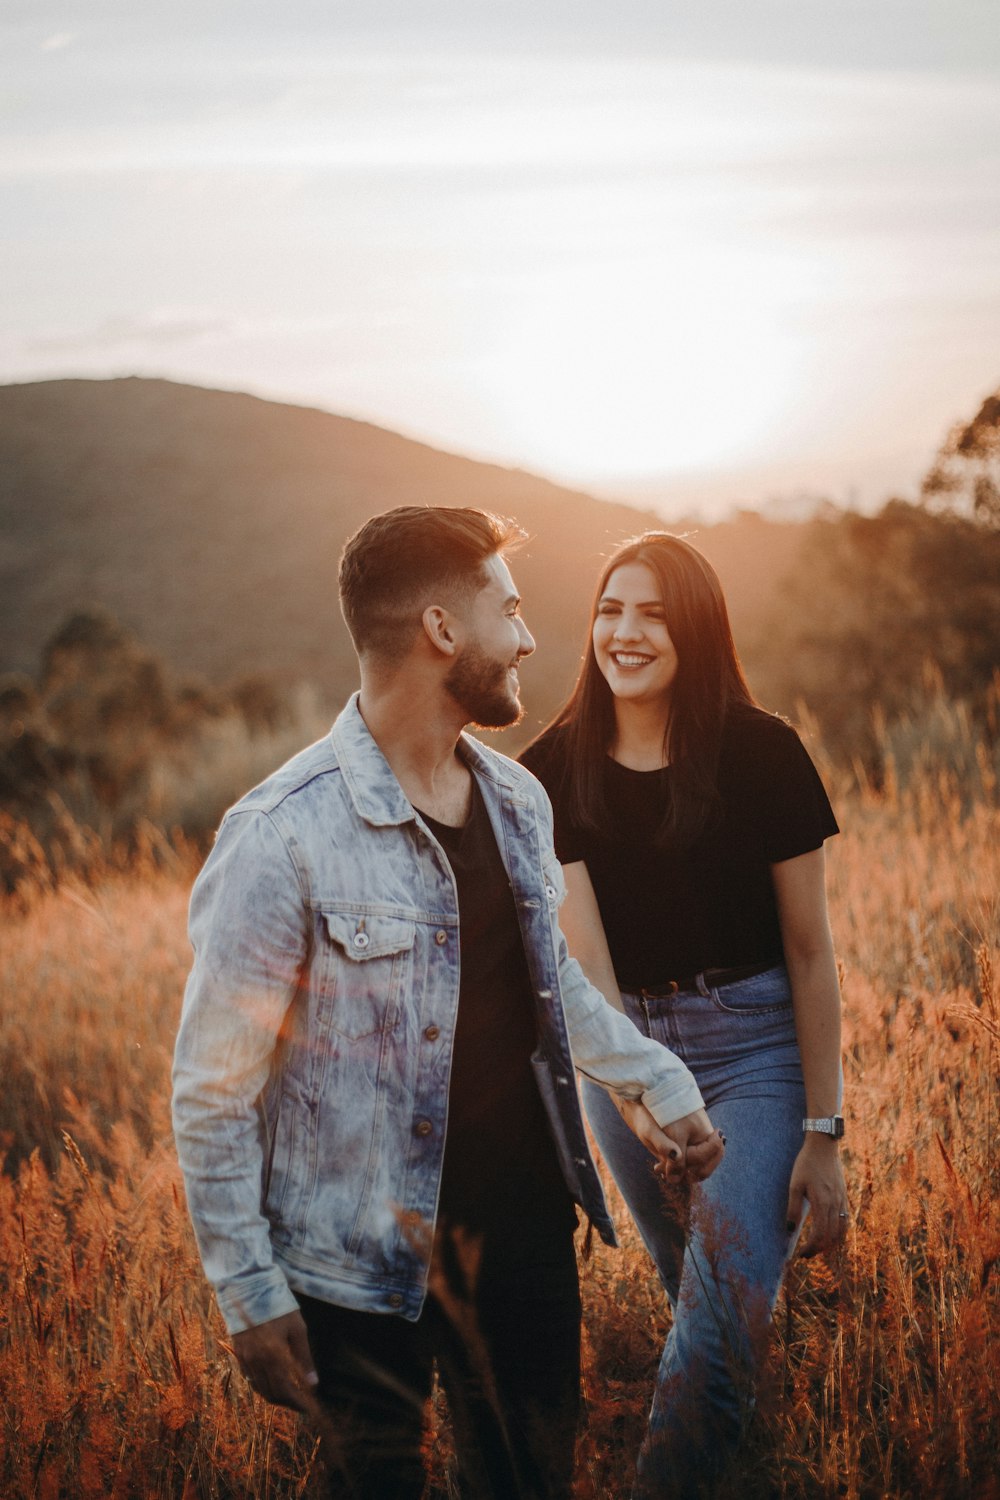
x: 628, y: 628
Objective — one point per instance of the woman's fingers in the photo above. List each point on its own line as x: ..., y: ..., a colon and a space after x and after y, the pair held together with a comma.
x: 702, y: 1157
x: 828, y: 1226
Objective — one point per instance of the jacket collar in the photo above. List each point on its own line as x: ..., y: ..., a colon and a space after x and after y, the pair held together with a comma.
x: 373, y: 788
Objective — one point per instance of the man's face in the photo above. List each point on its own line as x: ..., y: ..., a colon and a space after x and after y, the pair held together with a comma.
x: 483, y: 677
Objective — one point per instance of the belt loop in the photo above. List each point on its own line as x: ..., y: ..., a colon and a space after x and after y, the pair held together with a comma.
x: 703, y: 988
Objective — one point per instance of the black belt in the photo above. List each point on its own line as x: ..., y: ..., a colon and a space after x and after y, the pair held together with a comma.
x: 709, y: 977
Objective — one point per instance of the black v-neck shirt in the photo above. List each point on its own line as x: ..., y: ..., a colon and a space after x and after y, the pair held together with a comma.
x: 501, y: 1173
x: 670, y: 914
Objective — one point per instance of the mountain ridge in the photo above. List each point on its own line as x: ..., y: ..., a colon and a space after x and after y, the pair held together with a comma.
x: 210, y: 522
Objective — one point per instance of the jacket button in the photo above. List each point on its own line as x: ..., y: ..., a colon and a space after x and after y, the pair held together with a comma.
x: 423, y: 1127
x: 432, y: 1033
x: 440, y: 936
x: 395, y: 1300
x: 361, y: 940
x: 545, y: 994
x: 551, y: 892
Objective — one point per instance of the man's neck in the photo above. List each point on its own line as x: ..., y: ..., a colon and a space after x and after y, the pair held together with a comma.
x: 418, y: 735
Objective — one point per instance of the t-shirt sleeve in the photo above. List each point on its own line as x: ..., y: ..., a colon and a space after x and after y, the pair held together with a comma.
x: 791, y: 807
x: 545, y: 760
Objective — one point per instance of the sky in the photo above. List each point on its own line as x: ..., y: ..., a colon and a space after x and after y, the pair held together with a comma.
x: 699, y: 253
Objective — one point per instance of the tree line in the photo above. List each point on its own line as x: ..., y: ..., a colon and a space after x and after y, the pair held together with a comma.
x: 881, y: 619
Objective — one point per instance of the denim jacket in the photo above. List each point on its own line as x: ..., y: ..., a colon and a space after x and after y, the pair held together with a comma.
x: 312, y: 1064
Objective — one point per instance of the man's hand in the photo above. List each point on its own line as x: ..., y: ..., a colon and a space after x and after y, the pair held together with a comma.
x: 276, y: 1359
x: 686, y: 1147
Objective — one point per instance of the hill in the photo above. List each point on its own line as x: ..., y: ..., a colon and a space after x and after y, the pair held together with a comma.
x: 210, y: 523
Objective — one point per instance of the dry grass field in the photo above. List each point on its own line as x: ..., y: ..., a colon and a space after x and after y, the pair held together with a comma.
x: 885, y: 1376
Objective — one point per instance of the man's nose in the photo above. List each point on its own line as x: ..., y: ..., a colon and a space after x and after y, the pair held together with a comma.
x: 526, y: 643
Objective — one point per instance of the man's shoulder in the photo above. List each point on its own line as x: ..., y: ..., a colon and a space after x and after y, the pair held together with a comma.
x: 310, y: 770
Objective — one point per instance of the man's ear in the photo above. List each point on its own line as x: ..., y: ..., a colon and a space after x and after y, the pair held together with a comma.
x: 440, y: 628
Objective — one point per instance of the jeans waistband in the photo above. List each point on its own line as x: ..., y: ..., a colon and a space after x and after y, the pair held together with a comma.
x: 708, y: 978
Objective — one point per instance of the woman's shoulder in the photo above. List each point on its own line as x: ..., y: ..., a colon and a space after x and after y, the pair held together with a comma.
x: 750, y: 721
x: 753, y: 734
x: 547, y: 755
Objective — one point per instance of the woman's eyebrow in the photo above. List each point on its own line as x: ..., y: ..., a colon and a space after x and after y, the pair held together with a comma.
x: 643, y: 604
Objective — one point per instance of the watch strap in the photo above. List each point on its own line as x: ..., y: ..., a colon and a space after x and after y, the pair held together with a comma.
x: 827, y: 1125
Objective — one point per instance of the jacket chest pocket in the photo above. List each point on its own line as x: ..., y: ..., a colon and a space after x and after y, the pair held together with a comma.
x: 367, y: 960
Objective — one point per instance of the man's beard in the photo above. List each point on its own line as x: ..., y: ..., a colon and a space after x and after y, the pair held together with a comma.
x: 480, y: 686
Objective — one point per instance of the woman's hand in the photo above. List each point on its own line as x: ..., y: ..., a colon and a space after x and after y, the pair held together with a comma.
x: 818, y: 1177
x: 704, y: 1146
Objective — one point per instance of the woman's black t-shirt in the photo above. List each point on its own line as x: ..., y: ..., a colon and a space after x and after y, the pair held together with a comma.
x: 669, y: 915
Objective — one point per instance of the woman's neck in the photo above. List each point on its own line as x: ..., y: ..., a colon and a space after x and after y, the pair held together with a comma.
x: 640, y: 735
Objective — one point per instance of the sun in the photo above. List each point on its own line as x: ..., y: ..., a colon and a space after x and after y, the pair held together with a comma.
x: 653, y: 369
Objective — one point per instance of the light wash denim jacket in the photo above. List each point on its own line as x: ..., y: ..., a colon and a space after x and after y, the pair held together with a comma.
x: 312, y: 1063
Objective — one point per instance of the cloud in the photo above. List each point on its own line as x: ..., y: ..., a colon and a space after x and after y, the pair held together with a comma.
x: 163, y: 328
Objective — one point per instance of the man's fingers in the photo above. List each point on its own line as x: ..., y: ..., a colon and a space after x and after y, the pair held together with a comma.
x: 298, y: 1340
x: 276, y: 1359
x: 643, y: 1125
x: 282, y: 1383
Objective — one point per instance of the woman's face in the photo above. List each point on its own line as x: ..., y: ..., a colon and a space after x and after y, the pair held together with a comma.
x: 632, y: 645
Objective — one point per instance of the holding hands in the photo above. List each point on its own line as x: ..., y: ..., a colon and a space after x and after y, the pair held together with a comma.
x: 688, y: 1147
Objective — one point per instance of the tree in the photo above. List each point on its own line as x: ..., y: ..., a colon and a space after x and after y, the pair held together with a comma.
x: 965, y: 475
x: 873, y: 601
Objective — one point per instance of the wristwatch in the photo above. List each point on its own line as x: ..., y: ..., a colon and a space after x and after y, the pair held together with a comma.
x: 831, y: 1125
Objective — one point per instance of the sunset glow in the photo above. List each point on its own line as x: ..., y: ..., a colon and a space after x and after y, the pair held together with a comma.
x: 600, y: 253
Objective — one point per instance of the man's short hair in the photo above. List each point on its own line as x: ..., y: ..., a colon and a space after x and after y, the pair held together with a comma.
x: 405, y: 559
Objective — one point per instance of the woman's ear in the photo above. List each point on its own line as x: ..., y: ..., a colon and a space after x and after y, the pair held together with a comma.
x: 439, y: 627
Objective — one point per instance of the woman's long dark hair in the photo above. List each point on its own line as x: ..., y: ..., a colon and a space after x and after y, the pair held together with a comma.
x: 708, y: 683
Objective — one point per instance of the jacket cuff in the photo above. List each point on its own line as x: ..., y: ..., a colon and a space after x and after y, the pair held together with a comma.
x: 257, y: 1299
x: 673, y: 1099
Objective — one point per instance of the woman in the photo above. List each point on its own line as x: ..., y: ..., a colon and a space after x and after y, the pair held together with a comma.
x: 690, y: 824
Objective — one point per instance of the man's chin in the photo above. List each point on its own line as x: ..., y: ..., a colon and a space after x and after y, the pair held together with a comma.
x: 497, y: 718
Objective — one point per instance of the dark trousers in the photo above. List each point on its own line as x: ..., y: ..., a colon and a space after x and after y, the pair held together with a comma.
x: 508, y: 1356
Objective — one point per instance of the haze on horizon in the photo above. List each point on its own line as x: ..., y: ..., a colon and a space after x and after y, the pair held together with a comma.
x: 693, y: 251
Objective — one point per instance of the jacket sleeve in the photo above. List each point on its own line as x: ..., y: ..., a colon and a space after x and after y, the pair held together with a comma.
x: 249, y: 932
x: 608, y: 1048
x: 605, y: 1045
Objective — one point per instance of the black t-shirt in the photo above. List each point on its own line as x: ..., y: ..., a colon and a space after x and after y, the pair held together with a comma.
x: 501, y: 1174
x: 668, y: 915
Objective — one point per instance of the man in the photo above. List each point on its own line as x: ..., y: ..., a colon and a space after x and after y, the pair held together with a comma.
x: 375, y: 1104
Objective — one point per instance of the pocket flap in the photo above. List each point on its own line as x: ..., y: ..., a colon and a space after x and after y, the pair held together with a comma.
x: 363, y: 936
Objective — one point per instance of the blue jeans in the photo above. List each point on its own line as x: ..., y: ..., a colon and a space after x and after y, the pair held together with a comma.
x: 721, y: 1256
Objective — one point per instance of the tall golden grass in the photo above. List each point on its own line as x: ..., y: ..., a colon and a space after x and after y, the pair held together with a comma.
x: 884, y: 1378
